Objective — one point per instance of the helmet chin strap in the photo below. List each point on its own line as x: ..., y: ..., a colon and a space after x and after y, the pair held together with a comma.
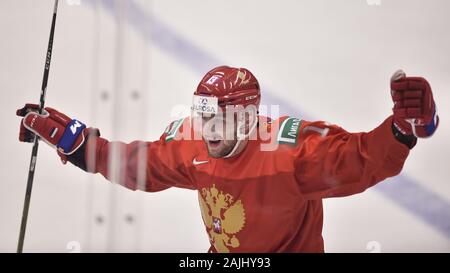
x: 241, y: 135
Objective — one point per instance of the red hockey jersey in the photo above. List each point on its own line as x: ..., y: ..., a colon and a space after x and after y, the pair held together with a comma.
x: 262, y: 200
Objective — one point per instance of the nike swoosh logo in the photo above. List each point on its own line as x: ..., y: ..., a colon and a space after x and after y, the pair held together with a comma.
x: 195, y: 162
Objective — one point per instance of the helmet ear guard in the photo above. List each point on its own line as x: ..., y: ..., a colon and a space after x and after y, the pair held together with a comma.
x: 246, y: 122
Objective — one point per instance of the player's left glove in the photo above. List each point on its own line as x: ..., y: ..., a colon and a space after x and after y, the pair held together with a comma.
x: 414, y: 107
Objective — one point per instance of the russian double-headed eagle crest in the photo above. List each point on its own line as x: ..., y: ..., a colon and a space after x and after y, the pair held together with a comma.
x: 223, y: 216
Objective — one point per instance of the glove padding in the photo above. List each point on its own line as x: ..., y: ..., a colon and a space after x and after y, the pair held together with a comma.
x: 414, y: 106
x: 64, y: 134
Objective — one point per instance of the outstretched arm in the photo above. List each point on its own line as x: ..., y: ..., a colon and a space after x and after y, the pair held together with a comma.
x: 148, y: 166
x: 332, y: 162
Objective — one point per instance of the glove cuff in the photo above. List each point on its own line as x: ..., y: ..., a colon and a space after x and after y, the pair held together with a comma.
x: 78, y: 157
x: 409, y: 140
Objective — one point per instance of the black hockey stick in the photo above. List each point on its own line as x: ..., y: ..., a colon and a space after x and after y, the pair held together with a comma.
x: 26, y: 205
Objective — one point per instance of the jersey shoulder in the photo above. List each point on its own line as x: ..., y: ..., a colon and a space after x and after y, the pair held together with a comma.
x: 178, y: 130
x: 175, y: 129
x: 289, y: 131
x: 284, y: 130
x: 180, y: 133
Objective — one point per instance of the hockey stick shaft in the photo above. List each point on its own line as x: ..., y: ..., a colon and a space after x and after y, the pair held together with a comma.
x: 34, y: 151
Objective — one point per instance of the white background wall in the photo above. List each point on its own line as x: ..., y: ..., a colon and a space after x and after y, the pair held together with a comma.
x: 329, y: 59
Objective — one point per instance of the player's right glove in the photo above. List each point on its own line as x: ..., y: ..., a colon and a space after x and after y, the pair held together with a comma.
x: 414, y: 107
x: 64, y: 134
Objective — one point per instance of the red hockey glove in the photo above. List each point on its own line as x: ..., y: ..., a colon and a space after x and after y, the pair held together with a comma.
x: 414, y: 107
x: 64, y: 134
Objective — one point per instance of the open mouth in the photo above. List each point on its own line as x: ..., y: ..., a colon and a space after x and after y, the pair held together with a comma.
x: 214, y: 143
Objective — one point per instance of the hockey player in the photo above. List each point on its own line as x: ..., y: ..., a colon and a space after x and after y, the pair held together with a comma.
x: 260, y: 182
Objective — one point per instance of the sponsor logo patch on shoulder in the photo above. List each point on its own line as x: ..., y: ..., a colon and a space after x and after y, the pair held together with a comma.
x: 289, y: 129
x: 172, y: 129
